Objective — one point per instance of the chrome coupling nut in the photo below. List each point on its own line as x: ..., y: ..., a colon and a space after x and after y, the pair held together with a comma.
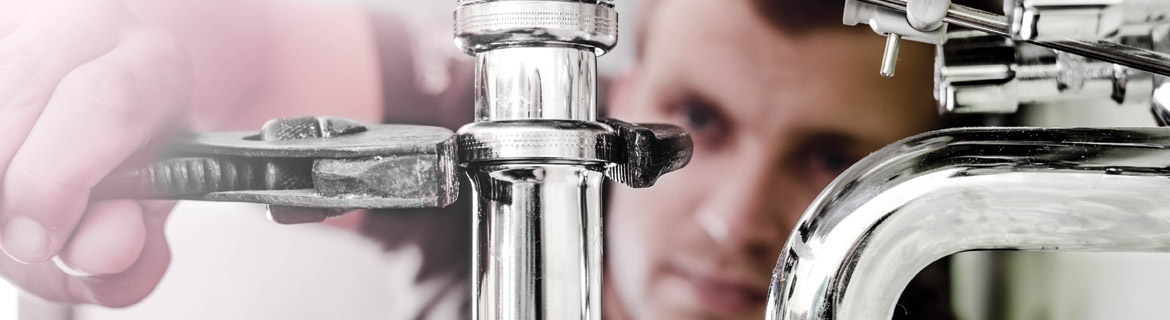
x: 485, y: 25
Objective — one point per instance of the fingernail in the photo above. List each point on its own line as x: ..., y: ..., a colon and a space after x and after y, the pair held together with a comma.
x: 25, y: 240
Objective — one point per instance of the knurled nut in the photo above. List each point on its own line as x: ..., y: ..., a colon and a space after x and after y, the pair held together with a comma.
x: 537, y: 140
x: 485, y: 25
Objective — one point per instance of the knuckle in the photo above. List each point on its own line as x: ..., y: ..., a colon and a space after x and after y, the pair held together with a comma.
x: 110, y: 91
x: 169, y: 75
x: 159, y: 46
x: 22, y: 75
x: 33, y: 178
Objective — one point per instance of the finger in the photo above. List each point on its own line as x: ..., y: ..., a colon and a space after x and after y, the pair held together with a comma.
x: 49, y: 282
x: 43, y: 280
x: 11, y: 12
x: 54, y: 38
x: 101, y: 113
x: 139, y: 280
x: 108, y: 240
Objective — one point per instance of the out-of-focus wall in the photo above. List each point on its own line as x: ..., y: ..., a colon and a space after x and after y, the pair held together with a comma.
x: 7, y: 301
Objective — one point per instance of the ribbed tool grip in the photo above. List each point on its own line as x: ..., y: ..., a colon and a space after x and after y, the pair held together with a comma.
x: 177, y: 177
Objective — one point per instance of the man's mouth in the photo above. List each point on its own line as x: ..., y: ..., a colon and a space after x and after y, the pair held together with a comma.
x: 725, y: 293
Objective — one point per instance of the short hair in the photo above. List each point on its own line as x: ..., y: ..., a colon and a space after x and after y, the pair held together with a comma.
x: 802, y: 15
x: 799, y: 16
x: 789, y: 16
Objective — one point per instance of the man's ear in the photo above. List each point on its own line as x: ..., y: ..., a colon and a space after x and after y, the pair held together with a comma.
x: 621, y: 90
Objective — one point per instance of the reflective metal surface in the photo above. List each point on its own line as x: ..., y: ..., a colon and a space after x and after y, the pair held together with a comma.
x: 557, y: 83
x: 486, y: 25
x: 1084, y: 19
x: 535, y: 155
x: 538, y: 241
x: 1141, y: 59
x: 980, y: 73
x: 537, y: 139
x: 913, y: 202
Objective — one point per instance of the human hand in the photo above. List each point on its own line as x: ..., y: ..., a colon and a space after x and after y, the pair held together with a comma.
x: 83, y: 85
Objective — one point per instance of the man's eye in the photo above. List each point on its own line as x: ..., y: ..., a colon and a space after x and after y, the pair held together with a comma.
x: 697, y: 117
x: 832, y: 160
x: 705, y: 122
x: 823, y: 160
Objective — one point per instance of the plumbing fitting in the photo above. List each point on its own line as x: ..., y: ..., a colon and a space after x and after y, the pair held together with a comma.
x: 1103, y: 49
x: 980, y: 73
x: 1055, y: 20
x: 537, y: 154
x: 1040, y: 189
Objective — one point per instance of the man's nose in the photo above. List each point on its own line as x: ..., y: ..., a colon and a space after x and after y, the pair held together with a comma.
x: 746, y: 211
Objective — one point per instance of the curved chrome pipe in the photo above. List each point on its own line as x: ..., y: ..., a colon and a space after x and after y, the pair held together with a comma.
x: 926, y: 197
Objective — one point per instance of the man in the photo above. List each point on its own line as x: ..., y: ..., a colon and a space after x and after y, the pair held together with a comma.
x: 779, y: 97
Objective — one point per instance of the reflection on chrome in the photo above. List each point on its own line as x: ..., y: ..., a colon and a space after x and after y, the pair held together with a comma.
x: 926, y: 197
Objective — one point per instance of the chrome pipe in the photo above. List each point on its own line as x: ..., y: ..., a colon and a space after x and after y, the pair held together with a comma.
x: 911, y: 203
x: 536, y: 155
x: 526, y: 83
x: 538, y: 241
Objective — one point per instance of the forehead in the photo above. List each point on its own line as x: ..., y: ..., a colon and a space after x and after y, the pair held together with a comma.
x: 770, y: 78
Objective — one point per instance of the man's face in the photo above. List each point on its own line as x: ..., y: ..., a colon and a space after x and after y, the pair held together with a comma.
x: 775, y: 117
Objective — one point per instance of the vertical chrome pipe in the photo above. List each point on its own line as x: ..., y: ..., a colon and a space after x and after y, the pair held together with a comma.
x: 537, y: 236
x: 536, y: 155
x: 537, y: 241
x: 528, y: 83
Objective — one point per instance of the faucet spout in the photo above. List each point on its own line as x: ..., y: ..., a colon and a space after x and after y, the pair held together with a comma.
x: 911, y: 203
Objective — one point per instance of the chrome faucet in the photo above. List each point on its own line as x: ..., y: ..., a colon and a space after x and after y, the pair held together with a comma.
x: 926, y: 197
x: 1039, y: 189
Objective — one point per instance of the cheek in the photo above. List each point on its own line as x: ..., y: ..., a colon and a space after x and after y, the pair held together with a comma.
x: 643, y: 227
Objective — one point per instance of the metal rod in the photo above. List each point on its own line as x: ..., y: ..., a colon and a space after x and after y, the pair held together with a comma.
x: 1140, y: 59
x: 890, y: 57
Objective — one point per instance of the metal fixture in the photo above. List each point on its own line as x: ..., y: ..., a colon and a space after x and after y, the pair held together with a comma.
x: 1100, y: 49
x: 1084, y: 19
x: 926, y: 197
x: 536, y: 155
x: 911, y: 203
x: 980, y: 73
x: 894, y: 26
